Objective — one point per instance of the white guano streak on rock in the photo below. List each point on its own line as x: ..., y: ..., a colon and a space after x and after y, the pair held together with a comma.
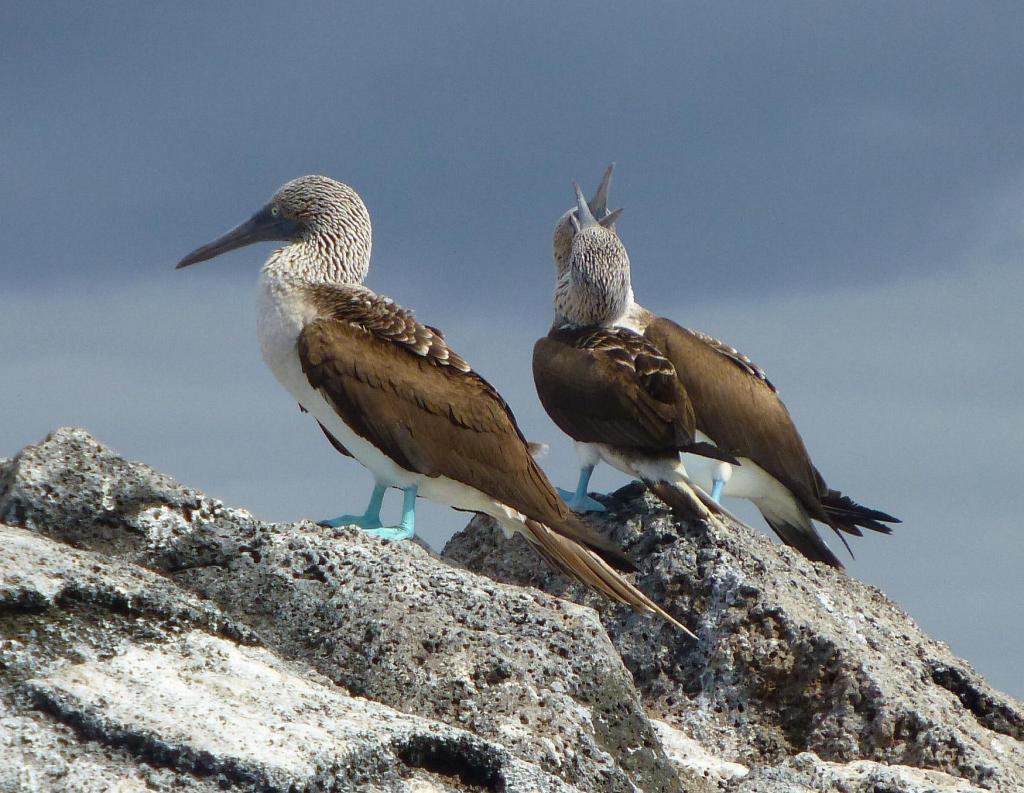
x: 213, y: 696
x: 685, y: 752
x: 19, y: 553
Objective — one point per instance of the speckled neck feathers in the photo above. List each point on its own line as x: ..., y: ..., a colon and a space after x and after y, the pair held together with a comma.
x: 337, y: 238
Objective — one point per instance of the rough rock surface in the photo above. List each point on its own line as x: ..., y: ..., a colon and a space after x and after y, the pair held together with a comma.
x: 153, y: 639
x: 806, y: 676
x: 118, y: 571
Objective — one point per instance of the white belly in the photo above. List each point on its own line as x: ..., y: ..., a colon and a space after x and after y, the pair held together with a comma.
x: 593, y: 453
x: 281, y: 316
x: 747, y: 480
x: 669, y: 469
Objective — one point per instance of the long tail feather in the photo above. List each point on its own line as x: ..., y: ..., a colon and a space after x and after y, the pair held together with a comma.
x: 687, y: 500
x: 588, y: 568
x: 578, y: 530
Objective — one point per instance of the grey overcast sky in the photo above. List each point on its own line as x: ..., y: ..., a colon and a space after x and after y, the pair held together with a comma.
x: 834, y: 188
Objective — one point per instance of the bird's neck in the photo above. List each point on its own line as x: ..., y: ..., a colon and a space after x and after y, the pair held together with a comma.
x: 322, y: 259
x: 590, y: 294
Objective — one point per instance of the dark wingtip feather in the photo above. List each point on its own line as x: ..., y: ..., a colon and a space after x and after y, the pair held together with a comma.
x: 847, y: 513
x: 851, y: 527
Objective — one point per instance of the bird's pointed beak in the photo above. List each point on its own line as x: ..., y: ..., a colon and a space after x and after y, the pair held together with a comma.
x: 265, y: 225
x: 599, y: 203
x: 586, y: 218
x: 608, y: 221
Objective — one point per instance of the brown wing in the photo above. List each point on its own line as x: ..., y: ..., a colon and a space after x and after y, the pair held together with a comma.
x: 734, y: 355
x: 609, y: 385
x: 425, y: 409
x: 738, y: 408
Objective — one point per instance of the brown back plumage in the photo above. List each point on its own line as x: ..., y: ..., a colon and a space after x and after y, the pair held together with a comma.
x: 397, y: 384
x: 608, y: 385
x: 612, y: 386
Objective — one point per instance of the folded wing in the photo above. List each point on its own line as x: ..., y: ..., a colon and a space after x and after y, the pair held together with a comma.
x: 738, y: 407
x: 610, y: 386
x: 398, y: 385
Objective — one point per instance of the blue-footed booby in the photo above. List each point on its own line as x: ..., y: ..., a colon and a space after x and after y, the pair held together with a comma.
x: 738, y: 409
x: 606, y: 386
x: 390, y: 391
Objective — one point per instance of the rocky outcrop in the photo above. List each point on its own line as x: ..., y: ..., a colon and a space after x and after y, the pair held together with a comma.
x: 798, y: 665
x: 152, y: 638
x: 122, y: 572
x: 134, y: 684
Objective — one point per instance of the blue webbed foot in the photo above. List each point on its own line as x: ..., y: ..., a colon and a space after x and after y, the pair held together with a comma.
x: 581, y: 503
x: 393, y: 532
x: 367, y: 522
x: 406, y: 530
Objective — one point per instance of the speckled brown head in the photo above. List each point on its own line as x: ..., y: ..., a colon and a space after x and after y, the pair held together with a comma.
x: 564, y: 230
x: 594, y: 288
x: 324, y: 206
x: 324, y: 221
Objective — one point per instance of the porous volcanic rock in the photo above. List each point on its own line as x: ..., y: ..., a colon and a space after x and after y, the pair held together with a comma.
x: 114, y: 570
x: 794, y: 659
x: 152, y: 638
